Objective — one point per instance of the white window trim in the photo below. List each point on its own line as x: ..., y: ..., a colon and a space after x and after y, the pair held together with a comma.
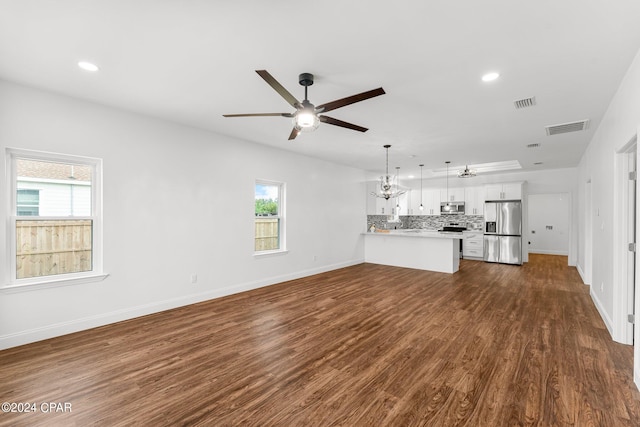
x: 281, y: 216
x: 12, y: 284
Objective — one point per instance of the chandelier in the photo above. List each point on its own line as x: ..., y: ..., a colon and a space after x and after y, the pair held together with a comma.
x: 386, y: 183
x: 467, y: 173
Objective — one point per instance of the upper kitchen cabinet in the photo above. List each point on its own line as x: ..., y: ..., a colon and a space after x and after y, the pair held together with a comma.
x: 414, y: 202
x: 506, y: 191
x: 377, y: 205
x: 404, y: 203
x: 454, y: 195
x: 384, y: 206
x: 381, y: 206
x: 474, y: 200
x: 430, y: 200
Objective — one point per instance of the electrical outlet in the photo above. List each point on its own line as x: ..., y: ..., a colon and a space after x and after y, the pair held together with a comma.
x: 194, y: 278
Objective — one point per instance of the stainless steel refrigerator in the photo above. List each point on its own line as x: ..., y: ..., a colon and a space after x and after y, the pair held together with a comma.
x: 503, y: 232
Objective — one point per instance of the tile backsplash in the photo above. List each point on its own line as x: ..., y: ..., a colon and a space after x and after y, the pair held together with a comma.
x: 423, y: 221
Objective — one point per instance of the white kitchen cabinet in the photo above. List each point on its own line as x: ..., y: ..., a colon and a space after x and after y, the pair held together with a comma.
x: 431, y: 202
x: 380, y: 206
x: 454, y: 194
x: 506, y: 191
x: 405, y: 203
x: 474, y: 200
x: 384, y: 206
x: 414, y: 202
x: 472, y: 245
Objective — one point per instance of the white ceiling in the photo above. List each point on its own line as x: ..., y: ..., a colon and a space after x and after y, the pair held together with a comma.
x: 191, y: 61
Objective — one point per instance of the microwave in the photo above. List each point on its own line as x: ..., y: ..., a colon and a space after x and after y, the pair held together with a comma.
x: 452, y: 208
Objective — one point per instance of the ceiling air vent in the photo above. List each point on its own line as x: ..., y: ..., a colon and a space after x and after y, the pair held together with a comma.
x: 533, y: 145
x: 524, y: 103
x: 567, y: 127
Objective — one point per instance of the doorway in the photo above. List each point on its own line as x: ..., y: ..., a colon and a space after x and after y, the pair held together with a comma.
x: 549, y: 223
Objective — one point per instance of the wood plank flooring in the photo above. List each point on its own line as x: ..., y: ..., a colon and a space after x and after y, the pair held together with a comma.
x: 369, y: 345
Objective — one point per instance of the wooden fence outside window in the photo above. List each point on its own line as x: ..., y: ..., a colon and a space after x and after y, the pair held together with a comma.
x: 267, y: 232
x: 45, y: 248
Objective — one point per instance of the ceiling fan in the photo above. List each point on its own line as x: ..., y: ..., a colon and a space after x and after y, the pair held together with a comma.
x: 307, y: 117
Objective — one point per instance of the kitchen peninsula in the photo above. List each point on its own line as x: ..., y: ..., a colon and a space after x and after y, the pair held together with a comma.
x: 420, y: 249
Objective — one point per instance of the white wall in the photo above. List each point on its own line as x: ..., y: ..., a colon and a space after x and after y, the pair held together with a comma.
x: 177, y: 201
x: 548, y: 223
x: 596, y: 174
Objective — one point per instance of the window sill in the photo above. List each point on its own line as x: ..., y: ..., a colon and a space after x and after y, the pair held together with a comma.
x: 51, y: 283
x: 270, y: 253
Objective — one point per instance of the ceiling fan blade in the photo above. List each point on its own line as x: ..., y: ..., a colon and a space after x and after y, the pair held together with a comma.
x: 293, y: 134
x: 349, y: 100
x: 279, y: 88
x: 336, y: 122
x: 258, y: 115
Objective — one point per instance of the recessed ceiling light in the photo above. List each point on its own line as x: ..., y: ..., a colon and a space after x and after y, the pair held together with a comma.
x: 88, y: 66
x: 489, y: 77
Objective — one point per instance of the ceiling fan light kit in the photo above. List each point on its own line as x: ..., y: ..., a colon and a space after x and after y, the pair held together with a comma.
x: 467, y: 173
x: 307, y: 117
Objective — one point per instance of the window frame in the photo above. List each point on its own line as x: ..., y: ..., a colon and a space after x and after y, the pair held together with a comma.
x: 282, y: 247
x: 12, y: 283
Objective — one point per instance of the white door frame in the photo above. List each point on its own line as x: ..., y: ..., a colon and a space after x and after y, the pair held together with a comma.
x: 636, y: 332
x: 623, y: 234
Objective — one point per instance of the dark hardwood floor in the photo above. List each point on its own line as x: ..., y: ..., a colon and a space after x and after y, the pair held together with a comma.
x: 369, y: 345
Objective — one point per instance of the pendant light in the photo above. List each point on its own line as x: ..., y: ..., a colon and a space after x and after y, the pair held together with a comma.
x: 447, y: 207
x: 421, y: 206
x: 386, y: 183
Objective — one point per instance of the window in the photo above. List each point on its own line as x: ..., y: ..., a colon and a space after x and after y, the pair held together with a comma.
x: 56, y: 224
x: 27, y: 202
x: 269, y: 218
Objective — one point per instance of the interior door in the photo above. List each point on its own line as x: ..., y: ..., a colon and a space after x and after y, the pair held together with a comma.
x: 631, y: 256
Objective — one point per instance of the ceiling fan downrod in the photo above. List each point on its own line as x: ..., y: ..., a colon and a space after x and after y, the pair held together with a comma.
x: 306, y: 80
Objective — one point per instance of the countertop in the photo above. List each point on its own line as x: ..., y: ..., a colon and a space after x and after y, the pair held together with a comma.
x: 420, y: 233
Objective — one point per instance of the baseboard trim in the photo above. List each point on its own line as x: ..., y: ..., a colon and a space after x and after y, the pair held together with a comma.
x: 64, y: 328
x: 603, y: 314
x: 545, y: 252
x: 582, y: 275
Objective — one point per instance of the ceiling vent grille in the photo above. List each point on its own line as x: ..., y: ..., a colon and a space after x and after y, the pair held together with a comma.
x: 524, y: 103
x: 533, y: 145
x: 567, y: 127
